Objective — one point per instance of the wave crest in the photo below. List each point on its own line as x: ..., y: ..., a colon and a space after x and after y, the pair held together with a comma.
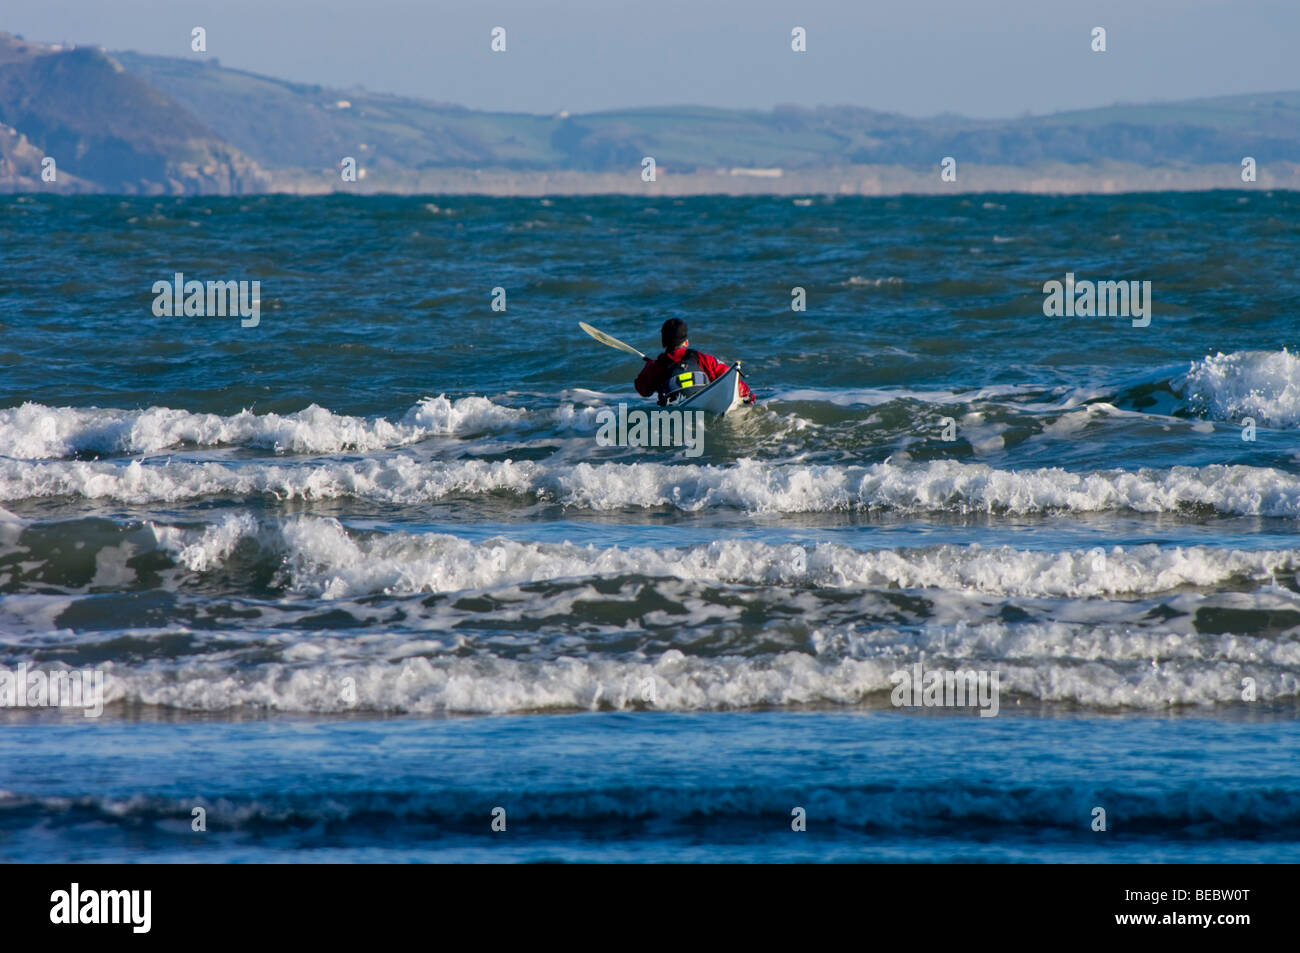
x: 938, y: 486
x: 36, y: 432
x: 1264, y: 385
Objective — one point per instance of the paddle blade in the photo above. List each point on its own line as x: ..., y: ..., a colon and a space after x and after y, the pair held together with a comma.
x: 608, y: 340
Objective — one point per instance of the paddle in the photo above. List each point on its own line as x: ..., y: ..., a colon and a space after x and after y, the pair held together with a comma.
x: 614, y: 342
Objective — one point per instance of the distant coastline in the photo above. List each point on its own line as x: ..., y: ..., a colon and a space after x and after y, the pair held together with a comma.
x: 82, y: 120
x: 866, y: 180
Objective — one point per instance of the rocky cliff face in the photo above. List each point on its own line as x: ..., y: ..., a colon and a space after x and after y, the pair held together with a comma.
x: 21, y: 167
x: 106, y: 130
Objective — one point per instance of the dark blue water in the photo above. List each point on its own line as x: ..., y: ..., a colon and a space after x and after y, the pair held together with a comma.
x: 661, y: 787
x: 291, y: 550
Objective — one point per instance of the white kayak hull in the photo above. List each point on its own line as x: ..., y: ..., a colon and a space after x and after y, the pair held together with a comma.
x: 718, y: 397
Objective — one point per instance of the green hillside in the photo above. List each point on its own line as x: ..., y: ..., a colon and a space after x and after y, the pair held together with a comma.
x: 108, y: 127
x: 133, y: 122
x: 291, y: 124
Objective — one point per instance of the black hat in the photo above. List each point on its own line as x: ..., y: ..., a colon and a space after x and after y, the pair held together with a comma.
x: 673, y: 333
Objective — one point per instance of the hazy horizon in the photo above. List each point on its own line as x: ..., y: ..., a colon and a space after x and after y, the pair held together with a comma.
x: 925, y: 59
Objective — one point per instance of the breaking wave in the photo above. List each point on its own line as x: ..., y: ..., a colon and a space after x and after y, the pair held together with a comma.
x: 36, y: 432
x: 1264, y: 385
x: 1050, y: 663
x: 326, y: 559
x: 937, y: 486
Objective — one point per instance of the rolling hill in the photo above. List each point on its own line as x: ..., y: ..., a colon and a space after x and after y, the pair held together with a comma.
x: 130, y: 122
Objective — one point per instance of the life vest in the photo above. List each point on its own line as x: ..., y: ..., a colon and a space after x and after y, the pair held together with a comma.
x: 682, y: 377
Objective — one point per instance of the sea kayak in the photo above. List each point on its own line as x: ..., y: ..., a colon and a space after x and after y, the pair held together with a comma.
x: 718, y: 397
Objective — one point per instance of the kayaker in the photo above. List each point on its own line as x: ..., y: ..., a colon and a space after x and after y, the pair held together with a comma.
x: 680, y: 368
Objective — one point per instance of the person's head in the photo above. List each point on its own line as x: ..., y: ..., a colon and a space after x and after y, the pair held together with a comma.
x: 673, y: 333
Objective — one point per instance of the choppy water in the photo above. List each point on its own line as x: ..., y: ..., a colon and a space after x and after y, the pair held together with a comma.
x: 388, y: 499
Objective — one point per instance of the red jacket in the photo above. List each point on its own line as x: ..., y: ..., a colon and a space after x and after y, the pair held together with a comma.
x: 655, y: 373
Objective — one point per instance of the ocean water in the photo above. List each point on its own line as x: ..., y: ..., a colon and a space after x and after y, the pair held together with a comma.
x: 360, y: 574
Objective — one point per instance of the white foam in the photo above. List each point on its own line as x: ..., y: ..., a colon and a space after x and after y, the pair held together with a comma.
x: 874, y: 397
x: 937, y: 486
x: 857, y: 281
x: 1264, y: 385
x: 1048, y: 662
x: 1102, y: 647
x: 36, y: 432
x: 214, y: 547
x: 326, y: 559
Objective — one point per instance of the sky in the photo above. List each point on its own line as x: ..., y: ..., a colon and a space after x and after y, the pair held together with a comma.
x: 979, y: 58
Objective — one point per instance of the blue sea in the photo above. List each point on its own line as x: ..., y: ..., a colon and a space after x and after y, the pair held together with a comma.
x: 360, y: 583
